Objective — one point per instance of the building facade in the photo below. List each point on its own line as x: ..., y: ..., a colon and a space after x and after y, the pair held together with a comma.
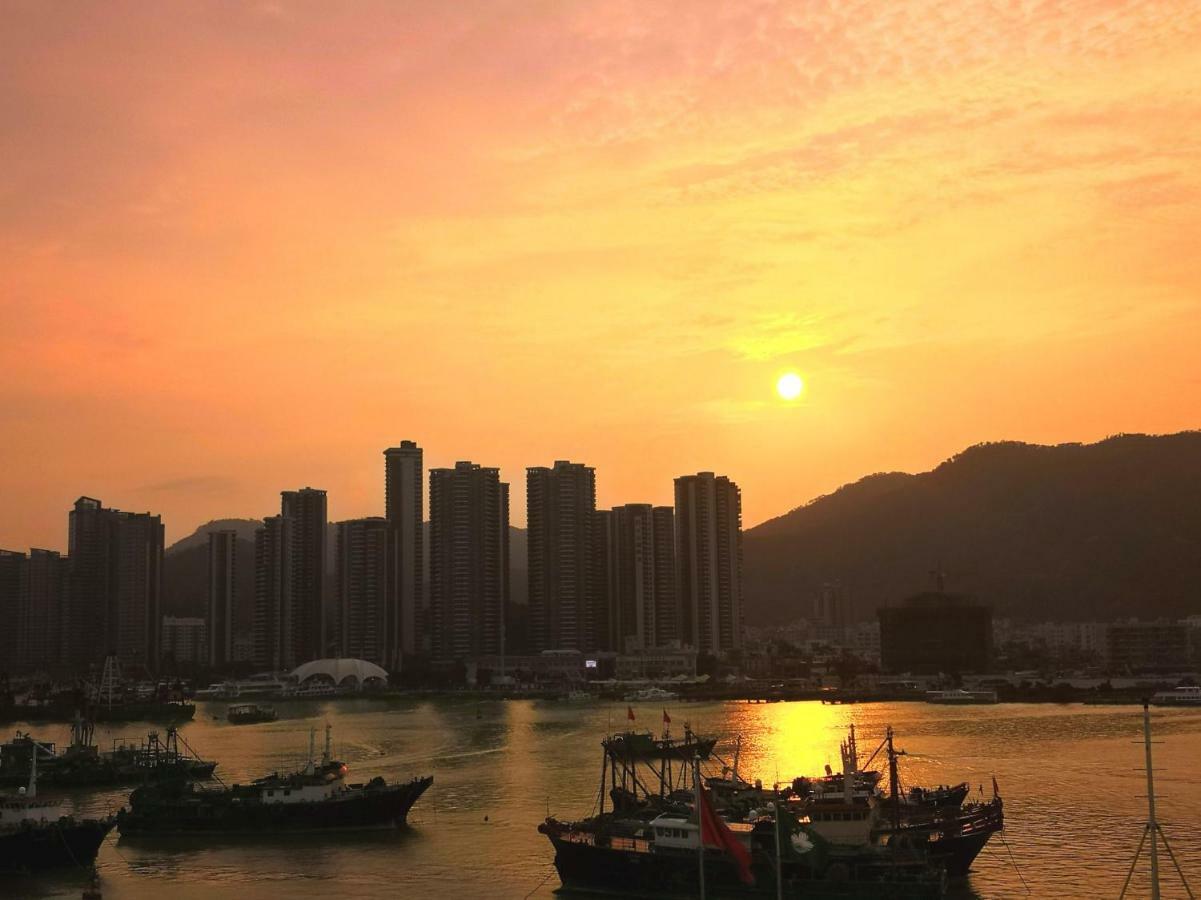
x: 313, y: 625
x: 363, y: 602
x: 469, y: 561
x: 403, y: 509
x: 274, y: 624
x: 936, y: 632
x: 115, y: 588
x: 222, y: 596
x: 14, y: 567
x: 43, y: 608
x: 640, y: 577
x: 185, y: 639
x: 708, y: 538
x: 561, y: 514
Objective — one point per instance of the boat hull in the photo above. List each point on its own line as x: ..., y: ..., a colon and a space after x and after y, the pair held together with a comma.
x: 61, y: 845
x: 220, y: 813
x: 588, y: 868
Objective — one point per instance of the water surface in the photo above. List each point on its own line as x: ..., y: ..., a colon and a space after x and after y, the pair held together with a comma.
x: 1071, y: 776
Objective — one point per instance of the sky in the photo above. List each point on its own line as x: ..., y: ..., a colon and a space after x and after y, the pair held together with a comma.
x: 244, y: 247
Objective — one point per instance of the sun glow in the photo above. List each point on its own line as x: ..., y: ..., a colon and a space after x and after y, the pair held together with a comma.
x: 790, y: 386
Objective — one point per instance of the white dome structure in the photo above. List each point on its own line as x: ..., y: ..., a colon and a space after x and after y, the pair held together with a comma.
x: 344, y: 673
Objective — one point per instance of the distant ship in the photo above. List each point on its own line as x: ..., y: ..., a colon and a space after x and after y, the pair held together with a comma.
x: 1181, y: 696
x: 960, y: 697
x: 250, y: 714
x: 315, y: 799
x: 37, y: 834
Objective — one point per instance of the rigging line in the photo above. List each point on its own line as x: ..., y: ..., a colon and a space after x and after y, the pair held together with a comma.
x: 1184, y: 881
x: 1021, y: 877
x: 538, y: 887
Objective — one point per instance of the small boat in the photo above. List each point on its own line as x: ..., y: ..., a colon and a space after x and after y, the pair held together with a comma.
x: 250, y: 714
x: 1186, y: 695
x: 961, y: 697
x: 651, y: 695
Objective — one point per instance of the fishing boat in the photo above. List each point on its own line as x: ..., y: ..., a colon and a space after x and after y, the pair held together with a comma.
x: 83, y: 764
x: 315, y: 799
x: 668, y: 839
x: 250, y: 714
x: 39, y: 834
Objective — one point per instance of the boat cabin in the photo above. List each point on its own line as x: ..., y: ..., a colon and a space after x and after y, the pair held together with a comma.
x: 679, y: 832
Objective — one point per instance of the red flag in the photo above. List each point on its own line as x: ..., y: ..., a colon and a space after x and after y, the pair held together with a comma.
x: 630, y: 713
x: 666, y: 718
x: 717, y: 834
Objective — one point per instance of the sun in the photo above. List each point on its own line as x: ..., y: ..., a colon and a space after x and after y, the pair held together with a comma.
x: 790, y: 386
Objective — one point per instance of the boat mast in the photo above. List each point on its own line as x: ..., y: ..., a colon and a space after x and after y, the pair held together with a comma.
x: 779, y: 860
x: 894, y: 782
x: 1152, y: 824
x: 700, y: 830
x: 326, y: 757
x: 32, y: 792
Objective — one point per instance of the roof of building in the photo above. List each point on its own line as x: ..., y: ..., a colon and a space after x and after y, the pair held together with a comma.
x: 338, y: 670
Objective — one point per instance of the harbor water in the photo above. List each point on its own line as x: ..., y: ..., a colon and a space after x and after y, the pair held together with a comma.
x: 1072, y: 778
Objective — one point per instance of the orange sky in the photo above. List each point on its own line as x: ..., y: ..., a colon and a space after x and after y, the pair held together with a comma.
x: 247, y: 246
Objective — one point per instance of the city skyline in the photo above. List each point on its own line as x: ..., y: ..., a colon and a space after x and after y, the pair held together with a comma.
x: 581, y: 232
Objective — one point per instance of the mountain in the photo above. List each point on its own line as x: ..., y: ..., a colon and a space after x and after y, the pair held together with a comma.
x: 1070, y: 532
x: 200, y: 537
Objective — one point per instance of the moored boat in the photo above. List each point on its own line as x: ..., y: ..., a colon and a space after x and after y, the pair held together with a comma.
x: 667, y: 835
x: 1185, y: 695
x: 38, y: 834
x: 250, y: 714
x: 315, y: 799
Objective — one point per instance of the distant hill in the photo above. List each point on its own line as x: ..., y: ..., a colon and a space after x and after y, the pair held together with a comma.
x: 1072, y: 532
x: 200, y: 537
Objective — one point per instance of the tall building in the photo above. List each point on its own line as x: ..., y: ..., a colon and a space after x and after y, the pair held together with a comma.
x: 312, y: 624
x: 561, y: 514
x: 362, y: 605
x: 222, y: 597
x: 44, y: 602
x: 708, y: 534
x: 13, y: 571
x: 403, y: 477
x: 469, y: 561
x: 274, y: 625
x: 640, y: 582
x: 115, y: 586
x: 603, y: 578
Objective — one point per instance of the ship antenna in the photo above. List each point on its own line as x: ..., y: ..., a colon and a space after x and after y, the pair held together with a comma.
x: 325, y: 758
x: 1152, y: 829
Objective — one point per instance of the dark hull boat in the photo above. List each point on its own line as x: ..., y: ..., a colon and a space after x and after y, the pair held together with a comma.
x: 82, y: 764
x: 268, y: 807
x: 954, y: 838
x: 634, y: 869
x: 38, y: 834
x: 63, y: 844
x: 649, y: 845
